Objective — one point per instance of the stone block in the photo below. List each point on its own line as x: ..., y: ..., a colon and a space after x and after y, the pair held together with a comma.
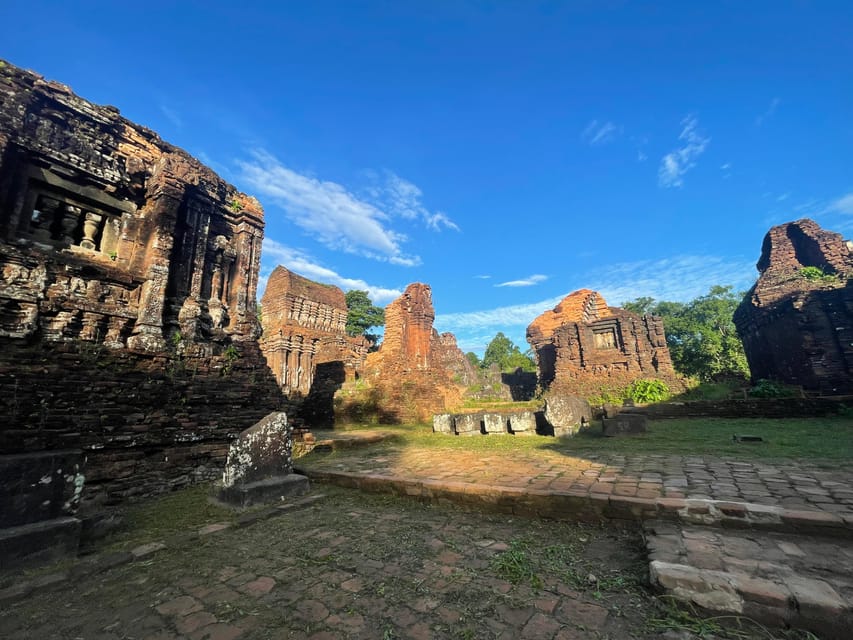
x: 523, y: 423
x: 260, y: 452
x: 468, y: 424
x: 259, y: 466
x: 624, y: 424
x: 38, y: 542
x: 443, y: 423
x: 39, y: 486
x: 611, y: 410
x: 566, y: 414
x: 494, y: 423
x: 265, y: 491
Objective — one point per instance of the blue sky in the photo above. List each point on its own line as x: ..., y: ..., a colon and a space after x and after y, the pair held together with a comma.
x: 505, y: 153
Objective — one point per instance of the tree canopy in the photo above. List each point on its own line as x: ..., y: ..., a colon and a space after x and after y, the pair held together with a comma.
x: 701, y: 335
x: 362, y: 314
x: 502, y: 352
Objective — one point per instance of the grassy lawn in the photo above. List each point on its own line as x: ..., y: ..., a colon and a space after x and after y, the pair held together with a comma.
x: 828, y: 439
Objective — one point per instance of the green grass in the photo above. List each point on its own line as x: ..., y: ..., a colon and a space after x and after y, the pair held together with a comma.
x: 828, y: 439
x: 173, y: 513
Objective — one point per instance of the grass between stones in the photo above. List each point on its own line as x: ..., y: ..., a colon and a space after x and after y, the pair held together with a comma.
x: 829, y: 439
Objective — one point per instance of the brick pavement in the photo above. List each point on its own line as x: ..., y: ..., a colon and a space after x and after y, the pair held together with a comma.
x: 787, y: 496
x: 772, y: 541
x: 358, y: 566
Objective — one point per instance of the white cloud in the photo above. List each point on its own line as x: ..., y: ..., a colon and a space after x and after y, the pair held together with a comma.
x: 275, y: 253
x: 524, y: 282
x: 402, y: 198
x: 676, y: 163
x: 513, y: 315
x: 483, y: 277
x: 844, y: 205
x: 783, y: 197
x: 725, y: 166
x: 327, y: 211
x: 760, y: 120
x: 597, y: 133
x: 678, y: 279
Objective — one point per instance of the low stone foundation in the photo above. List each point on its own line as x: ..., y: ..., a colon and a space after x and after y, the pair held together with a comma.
x: 520, y: 423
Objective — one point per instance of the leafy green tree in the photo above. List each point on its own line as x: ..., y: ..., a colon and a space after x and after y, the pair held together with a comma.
x: 701, y: 335
x: 474, y: 359
x: 362, y: 314
x: 502, y: 352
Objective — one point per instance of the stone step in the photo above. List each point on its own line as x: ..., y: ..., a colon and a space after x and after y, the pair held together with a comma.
x: 783, y: 580
x: 38, y: 542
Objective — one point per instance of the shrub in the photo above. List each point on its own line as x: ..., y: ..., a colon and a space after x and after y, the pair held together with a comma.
x: 651, y: 390
x: 770, y: 389
x: 815, y: 274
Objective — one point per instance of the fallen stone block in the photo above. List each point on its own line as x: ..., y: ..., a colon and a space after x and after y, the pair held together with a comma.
x: 468, y: 424
x: 567, y: 414
x: 443, y: 423
x: 523, y: 423
x: 624, y: 424
x: 494, y: 423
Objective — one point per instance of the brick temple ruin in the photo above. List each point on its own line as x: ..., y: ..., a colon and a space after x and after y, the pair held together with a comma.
x: 416, y: 372
x: 799, y: 329
x: 128, y: 323
x: 583, y: 345
x: 304, y: 327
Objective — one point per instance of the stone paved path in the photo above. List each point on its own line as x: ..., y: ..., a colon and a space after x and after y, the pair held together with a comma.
x: 791, y: 567
x: 800, y: 581
x: 362, y: 566
x: 789, y: 484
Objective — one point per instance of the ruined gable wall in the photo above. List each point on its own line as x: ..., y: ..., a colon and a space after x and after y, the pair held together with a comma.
x: 415, y: 373
x: 796, y: 330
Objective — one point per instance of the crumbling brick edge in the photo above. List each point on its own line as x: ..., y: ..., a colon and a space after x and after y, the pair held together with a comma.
x: 95, y: 564
x: 584, y: 506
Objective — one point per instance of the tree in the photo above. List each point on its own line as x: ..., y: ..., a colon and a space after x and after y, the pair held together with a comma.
x: 362, y: 314
x: 474, y: 359
x: 502, y: 352
x: 701, y: 335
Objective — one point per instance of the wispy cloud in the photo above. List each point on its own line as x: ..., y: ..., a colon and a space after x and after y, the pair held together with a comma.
x: 678, y: 162
x: 171, y: 115
x: 844, y: 205
x: 524, y: 282
x: 760, y: 120
x: 680, y: 278
x: 783, y: 197
x: 512, y: 315
x: 483, y: 277
x: 327, y: 211
x: 597, y: 133
x: 402, y: 198
x: 298, y: 261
